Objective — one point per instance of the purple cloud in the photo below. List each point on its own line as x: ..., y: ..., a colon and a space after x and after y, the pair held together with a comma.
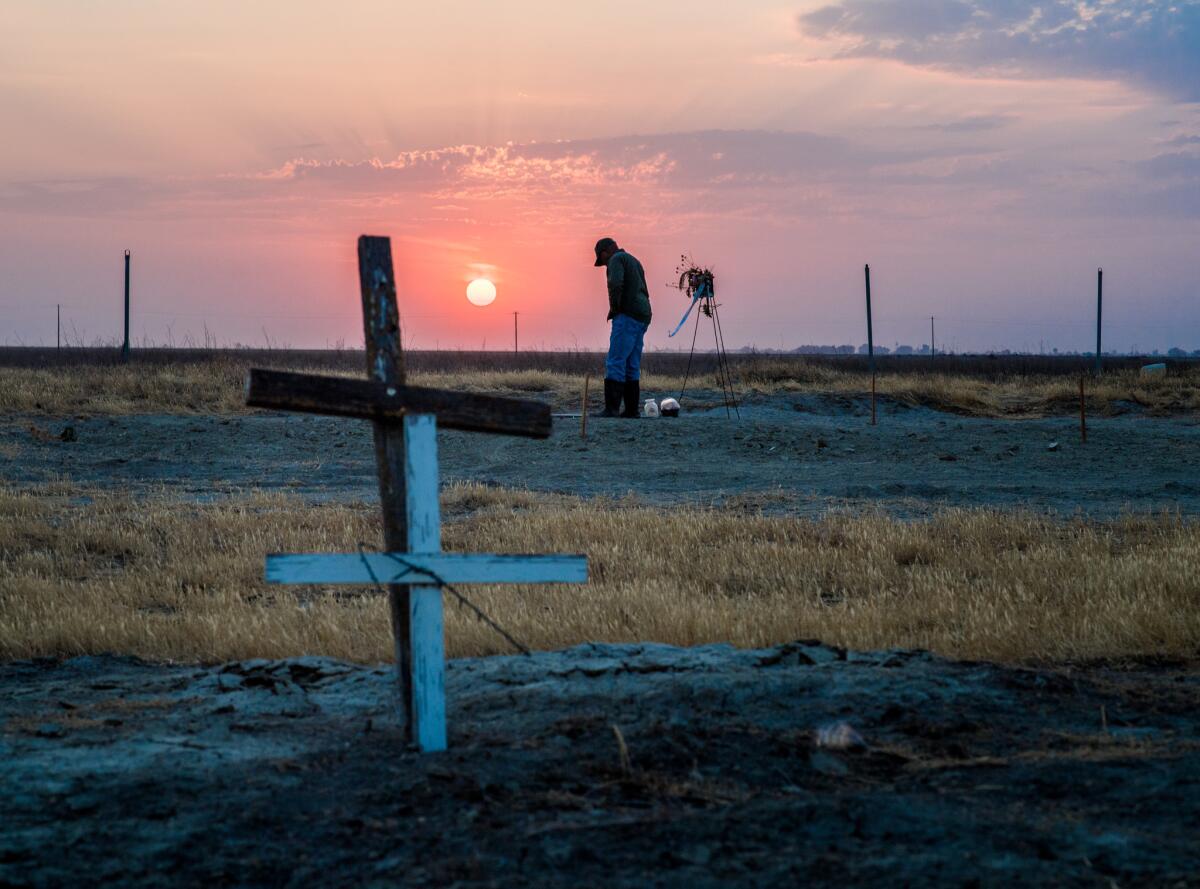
x: 1152, y: 43
x: 1173, y: 165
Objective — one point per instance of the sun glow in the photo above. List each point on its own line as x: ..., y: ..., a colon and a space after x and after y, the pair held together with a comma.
x: 481, y: 292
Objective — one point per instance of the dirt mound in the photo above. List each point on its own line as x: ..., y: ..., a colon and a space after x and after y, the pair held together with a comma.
x: 603, y: 764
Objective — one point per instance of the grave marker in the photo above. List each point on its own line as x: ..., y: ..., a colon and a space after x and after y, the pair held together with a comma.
x: 405, y: 420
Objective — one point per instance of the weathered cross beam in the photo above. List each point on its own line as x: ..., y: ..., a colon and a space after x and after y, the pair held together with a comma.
x: 405, y: 420
x: 371, y: 400
x: 432, y: 567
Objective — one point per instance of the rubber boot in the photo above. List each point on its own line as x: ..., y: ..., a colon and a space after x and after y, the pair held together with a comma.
x: 612, y: 399
x: 632, y: 392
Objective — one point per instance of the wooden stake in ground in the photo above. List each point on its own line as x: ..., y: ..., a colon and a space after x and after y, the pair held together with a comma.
x: 414, y: 568
x: 587, y: 379
x: 1082, y: 412
x: 872, y: 398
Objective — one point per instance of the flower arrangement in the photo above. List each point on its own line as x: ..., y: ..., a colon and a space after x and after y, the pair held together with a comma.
x: 693, y: 279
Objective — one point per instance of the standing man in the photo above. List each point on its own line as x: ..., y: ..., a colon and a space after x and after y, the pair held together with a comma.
x: 629, y: 312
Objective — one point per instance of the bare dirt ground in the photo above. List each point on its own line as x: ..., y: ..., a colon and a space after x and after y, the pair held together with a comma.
x: 615, y: 765
x: 788, y: 453
x: 114, y: 771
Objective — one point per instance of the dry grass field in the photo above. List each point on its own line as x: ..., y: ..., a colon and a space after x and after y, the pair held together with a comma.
x: 217, y: 386
x: 83, y: 571
x: 87, y: 571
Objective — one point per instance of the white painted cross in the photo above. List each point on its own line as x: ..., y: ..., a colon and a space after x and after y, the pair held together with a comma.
x: 415, y: 575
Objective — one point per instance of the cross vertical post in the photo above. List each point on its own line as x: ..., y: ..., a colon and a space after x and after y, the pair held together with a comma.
x: 427, y: 643
x: 385, y: 364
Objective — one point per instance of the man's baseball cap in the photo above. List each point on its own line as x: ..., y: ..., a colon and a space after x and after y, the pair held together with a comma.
x: 604, y: 244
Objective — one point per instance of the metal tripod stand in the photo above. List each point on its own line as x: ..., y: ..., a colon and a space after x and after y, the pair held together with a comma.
x: 706, y: 299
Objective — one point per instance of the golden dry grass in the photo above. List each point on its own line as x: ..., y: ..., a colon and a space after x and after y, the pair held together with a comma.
x: 1024, y: 395
x: 86, y: 572
x: 217, y: 387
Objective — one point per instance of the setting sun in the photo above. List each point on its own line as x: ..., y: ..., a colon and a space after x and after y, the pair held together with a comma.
x: 481, y: 292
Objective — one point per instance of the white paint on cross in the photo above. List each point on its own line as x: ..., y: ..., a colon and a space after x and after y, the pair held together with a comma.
x: 415, y: 575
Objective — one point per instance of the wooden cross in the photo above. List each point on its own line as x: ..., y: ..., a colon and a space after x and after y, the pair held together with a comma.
x: 405, y: 420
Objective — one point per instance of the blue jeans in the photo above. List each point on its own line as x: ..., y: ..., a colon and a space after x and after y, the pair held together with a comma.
x: 624, y: 360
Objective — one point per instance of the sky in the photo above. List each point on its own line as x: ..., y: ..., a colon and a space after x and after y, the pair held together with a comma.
x: 984, y: 157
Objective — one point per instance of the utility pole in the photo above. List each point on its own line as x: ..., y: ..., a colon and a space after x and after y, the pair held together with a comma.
x: 1099, y: 308
x: 58, y: 327
x: 125, y: 347
x: 870, y: 335
x: 932, y: 345
x: 515, y: 349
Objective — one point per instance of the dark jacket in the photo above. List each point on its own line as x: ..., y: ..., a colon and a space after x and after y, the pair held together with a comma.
x: 627, y: 291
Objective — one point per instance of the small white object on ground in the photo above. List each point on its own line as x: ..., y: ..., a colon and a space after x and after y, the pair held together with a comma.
x: 839, y: 736
x: 650, y: 408
x: 669, y: 407
x: 1053, y: 446
x: 1149, y: 370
